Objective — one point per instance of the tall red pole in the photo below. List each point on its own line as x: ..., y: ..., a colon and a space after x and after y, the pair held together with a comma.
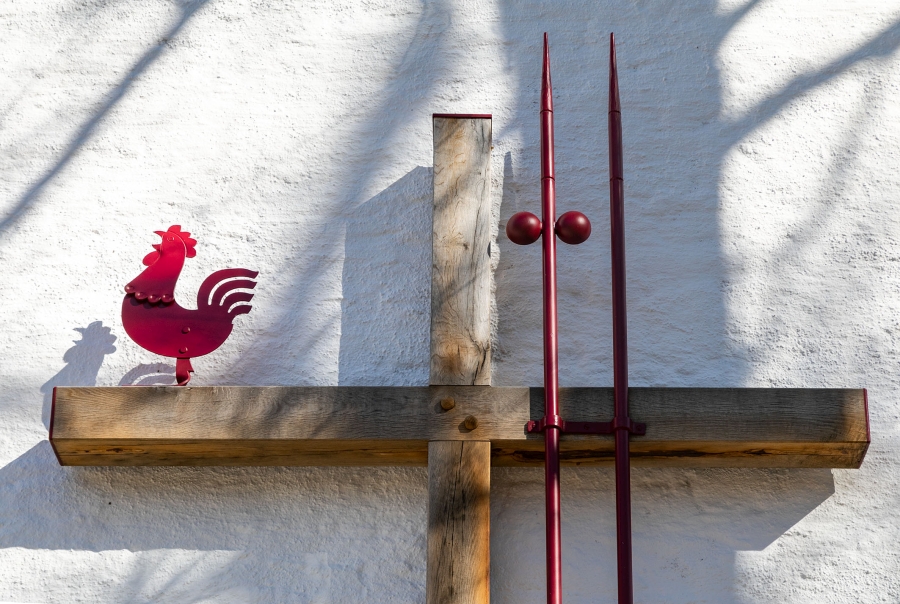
x: 621, y: 421
x: 551, y: 343
x: 573, y: 228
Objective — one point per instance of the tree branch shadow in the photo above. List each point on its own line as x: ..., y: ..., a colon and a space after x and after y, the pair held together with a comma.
x: 87, y: 129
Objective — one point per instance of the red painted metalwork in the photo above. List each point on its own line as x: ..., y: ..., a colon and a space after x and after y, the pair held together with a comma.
x: 52, y: 420
x: 573, y: 228
x: 551, y: 341
x: 866, y: 407
x: 621, y: 422
x: 476, y: 116
x: 524, y: 228
x: 153, y: 318
x: 569, y: 427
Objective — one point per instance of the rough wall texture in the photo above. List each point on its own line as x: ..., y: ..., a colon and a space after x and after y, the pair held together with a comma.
x: 294, y: 138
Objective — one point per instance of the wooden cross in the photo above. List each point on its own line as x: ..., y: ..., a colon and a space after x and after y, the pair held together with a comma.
x: 459, y: 426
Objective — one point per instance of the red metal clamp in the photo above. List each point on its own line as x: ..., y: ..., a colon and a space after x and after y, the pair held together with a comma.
x: 570, y: 427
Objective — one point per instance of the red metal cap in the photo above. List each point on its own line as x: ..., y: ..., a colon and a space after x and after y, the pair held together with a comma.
x: 463, y: 116
x: 546, y: 115
x: 616, y: 167
x: 546, y: 85
x: 613, y: 76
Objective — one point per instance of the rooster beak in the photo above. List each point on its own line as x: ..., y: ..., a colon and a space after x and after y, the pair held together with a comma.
x: 160, y: 233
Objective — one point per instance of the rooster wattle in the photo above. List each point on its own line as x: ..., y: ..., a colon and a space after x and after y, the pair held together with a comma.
x: 154, y: 319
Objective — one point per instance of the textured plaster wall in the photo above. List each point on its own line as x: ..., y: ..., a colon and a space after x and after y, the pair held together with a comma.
x: 295, y: 138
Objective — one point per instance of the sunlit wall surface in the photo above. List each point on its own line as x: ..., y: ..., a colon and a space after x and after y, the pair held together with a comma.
x: 761, y: 165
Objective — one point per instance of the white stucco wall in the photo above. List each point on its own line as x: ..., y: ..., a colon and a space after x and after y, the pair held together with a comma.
x: 762, y: 174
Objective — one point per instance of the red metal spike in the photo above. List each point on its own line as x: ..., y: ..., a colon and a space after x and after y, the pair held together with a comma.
x: 614, y: 104
x: 572, y: 227
x: 551, y: 343
x: 621, y: 422
x: 546, y: 84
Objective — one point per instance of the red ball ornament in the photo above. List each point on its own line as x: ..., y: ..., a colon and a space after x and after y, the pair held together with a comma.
x: 573, y: 228
x: 523, y: 228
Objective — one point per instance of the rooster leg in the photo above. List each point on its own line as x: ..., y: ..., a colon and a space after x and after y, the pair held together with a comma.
x: 183, y: 371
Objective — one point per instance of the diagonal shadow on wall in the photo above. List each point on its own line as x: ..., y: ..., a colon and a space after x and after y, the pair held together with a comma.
x: 688, y: 524
x: 84, y: 132
x: 238, y: 510
x: 154, y: 538
x: 678, y: 339
x: 343, y: 229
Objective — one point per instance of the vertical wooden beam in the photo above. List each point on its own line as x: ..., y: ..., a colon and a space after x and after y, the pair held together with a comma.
x: 461, y: 261
x: 459, y: 521
x: 459, y: 472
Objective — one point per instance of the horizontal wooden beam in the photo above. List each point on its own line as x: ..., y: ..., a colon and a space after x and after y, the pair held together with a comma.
x: 334, y: 426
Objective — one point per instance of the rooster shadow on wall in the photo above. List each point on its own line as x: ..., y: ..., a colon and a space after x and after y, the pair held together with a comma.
x: 83, y: 362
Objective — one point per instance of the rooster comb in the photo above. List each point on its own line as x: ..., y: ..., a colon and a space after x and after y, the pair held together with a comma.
x: 189, y: 243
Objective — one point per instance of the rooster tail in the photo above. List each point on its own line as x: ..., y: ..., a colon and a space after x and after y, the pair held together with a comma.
x: 218, y: 291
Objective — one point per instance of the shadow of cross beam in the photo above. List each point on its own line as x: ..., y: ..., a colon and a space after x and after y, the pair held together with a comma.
x: 460, y: 425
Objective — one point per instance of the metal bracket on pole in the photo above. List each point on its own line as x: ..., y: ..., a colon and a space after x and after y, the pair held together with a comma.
x: 569, y: 427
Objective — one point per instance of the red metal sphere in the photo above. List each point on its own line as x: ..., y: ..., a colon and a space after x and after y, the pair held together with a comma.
x: 523, y: 228
x: 573, y: 228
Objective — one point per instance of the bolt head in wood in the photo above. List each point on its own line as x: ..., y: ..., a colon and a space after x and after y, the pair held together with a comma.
x: 523, y: 228
x: 573, y: 228
x: 471, y: 422
x: 447, y: 404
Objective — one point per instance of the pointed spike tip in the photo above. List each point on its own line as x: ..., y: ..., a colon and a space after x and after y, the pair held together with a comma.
x: 613, y: 76
x: 546, y: 85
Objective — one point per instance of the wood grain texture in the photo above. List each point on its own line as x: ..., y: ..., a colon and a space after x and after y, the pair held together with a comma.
x: 459, y: 515
x: 458, y: 563
x: 688, y: 427
x: 461, y: 262
x: 711, y: 427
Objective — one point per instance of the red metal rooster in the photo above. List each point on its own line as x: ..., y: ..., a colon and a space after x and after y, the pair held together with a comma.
x: 156, y: 322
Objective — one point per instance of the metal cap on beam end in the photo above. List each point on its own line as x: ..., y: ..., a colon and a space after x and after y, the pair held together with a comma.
x: 463, y: 116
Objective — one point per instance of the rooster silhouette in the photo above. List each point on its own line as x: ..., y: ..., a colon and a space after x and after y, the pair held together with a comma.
x: 154, y: 319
